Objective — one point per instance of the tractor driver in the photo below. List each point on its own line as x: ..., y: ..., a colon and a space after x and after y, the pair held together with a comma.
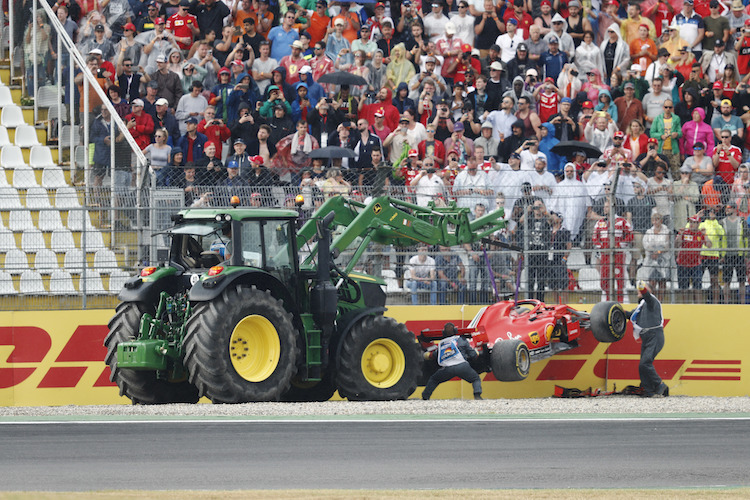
x: 222, y: 245
x: 453, y: 355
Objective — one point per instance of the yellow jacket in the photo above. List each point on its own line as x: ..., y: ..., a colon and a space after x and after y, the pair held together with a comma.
x: 715, y: 233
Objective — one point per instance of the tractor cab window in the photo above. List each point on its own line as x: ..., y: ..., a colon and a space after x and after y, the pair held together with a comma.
x: 264, y: 244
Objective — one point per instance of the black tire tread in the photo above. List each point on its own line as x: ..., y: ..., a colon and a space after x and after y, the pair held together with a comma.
x: 599, y: 322
x: 350, y: 380
x: 207, y: 357
x: 505, y: 360
x: 142, y: 387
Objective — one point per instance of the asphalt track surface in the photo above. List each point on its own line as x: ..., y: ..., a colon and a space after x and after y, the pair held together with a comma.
x: 376, y: 454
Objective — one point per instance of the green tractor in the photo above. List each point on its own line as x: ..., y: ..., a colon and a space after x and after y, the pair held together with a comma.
x: 249, y: 308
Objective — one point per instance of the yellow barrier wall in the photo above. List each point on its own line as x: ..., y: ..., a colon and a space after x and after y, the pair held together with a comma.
x: 56, y: 358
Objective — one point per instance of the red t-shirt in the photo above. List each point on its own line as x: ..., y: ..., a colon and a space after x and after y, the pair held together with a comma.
x: 689, y: 254
x: 725, y: 168
x: 743, y: 57
x: 523, y: 24
x: 548, y: 105
x: 180, y: 26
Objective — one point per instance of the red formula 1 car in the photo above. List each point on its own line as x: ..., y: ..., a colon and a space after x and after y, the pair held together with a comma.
x: 509, y: 336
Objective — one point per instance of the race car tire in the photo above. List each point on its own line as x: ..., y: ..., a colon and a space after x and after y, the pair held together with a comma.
x: 608, y: 321
x: 241, y: 347
x: 511, y: 360
x: 141, y: 386
x: 380, y: 361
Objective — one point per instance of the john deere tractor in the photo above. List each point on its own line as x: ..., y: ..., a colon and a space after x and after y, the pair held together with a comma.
x: 249, y: 308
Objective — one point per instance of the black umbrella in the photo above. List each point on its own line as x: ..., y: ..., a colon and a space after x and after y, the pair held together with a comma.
x: 568, y: 148
x: 342, y: 78
x: 331, y: 152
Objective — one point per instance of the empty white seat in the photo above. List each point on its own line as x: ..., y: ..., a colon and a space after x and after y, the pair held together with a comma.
x: 92, y: 240
x: 45, y: 261
x: 32, y: 240
x: 576, y: 259
x: 26, y: 136
x: 74, y: 260
x: 105, y: 261
x: 61, y: 283
x: 41, y: 157
x: 53, y: 177
x: 391, y: 283
x: 54, y: 113
x: 31, y: 283
x: 66, y: 197
x: 7, y: 240
x: 49, y: 220
x: 11, y: 157
x: 9, y: 198
x: 76, y: 220
x: 589, y: 279
x: 37, y: 198
x: 46, y: 96
x: 4, y: 138
x: 12, y: 116
x: 117, y: 280
x: 16, y: 261
x: 6, y: 284
x: 91, y: 283
x: 3, y: 177
x: 6, y: 99
x: 24, y: 177
x: 65, y: 133
x: 20, y: 220
x: 62, y: 240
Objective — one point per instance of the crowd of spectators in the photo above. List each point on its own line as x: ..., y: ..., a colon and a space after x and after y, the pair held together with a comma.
x: 461, y: 100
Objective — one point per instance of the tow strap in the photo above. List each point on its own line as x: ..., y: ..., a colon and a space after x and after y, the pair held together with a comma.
x: 564, y: 392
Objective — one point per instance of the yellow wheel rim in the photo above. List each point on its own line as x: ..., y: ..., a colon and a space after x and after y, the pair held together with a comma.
x: 254, y: 348
x: 383, y: 363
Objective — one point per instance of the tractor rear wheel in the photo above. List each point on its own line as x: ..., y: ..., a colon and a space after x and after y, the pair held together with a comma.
x: 241, y: 347
x: 608, y: 321
x: 510, y: 360
x: 142, y: 387
x: 380, y: 361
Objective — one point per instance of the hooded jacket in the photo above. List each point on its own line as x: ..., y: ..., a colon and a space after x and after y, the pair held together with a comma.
x: 693, y: 132
x: 406, y: 103
x: 297, y: 109
x: 622, y: 53
x: 315, y: 91
x: 555, y: 163
x: 290, y: 93
x: 566, y: 41
x: 513, y: 95
x: 610, y: 108
x: 392, y: 113
x: 237, y: 97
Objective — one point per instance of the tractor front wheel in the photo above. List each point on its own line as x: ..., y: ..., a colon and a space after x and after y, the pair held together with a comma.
x: 141, y: 386
x: 241, y: 347
x: 380, y: 361
x: 510, y: 360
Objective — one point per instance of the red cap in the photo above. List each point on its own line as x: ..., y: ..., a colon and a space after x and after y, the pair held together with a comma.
x: 257, y: 159
x: 717, y: 84
x: 380, y: 112
x: 588, y: 105
x: 413, y: 152
x: 454, y: 151
x: 237, y: 62
x: 159, y: 20
x: 225, y: 70
x: 651, y: 140
x: 209, y: 143
x: 380, y: 4
x: 546, y: 2
x: 466, y: 47
x: 549, y: 79
x: 129, y: 26
x: 644, y: 25
x: 695, y: 218
x: 747, y: 22
x: 619, y: 133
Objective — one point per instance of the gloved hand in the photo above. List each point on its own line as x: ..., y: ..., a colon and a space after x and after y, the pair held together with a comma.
x: 642, y: 286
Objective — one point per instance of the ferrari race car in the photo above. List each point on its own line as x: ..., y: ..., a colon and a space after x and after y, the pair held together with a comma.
x: 509, y: 336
